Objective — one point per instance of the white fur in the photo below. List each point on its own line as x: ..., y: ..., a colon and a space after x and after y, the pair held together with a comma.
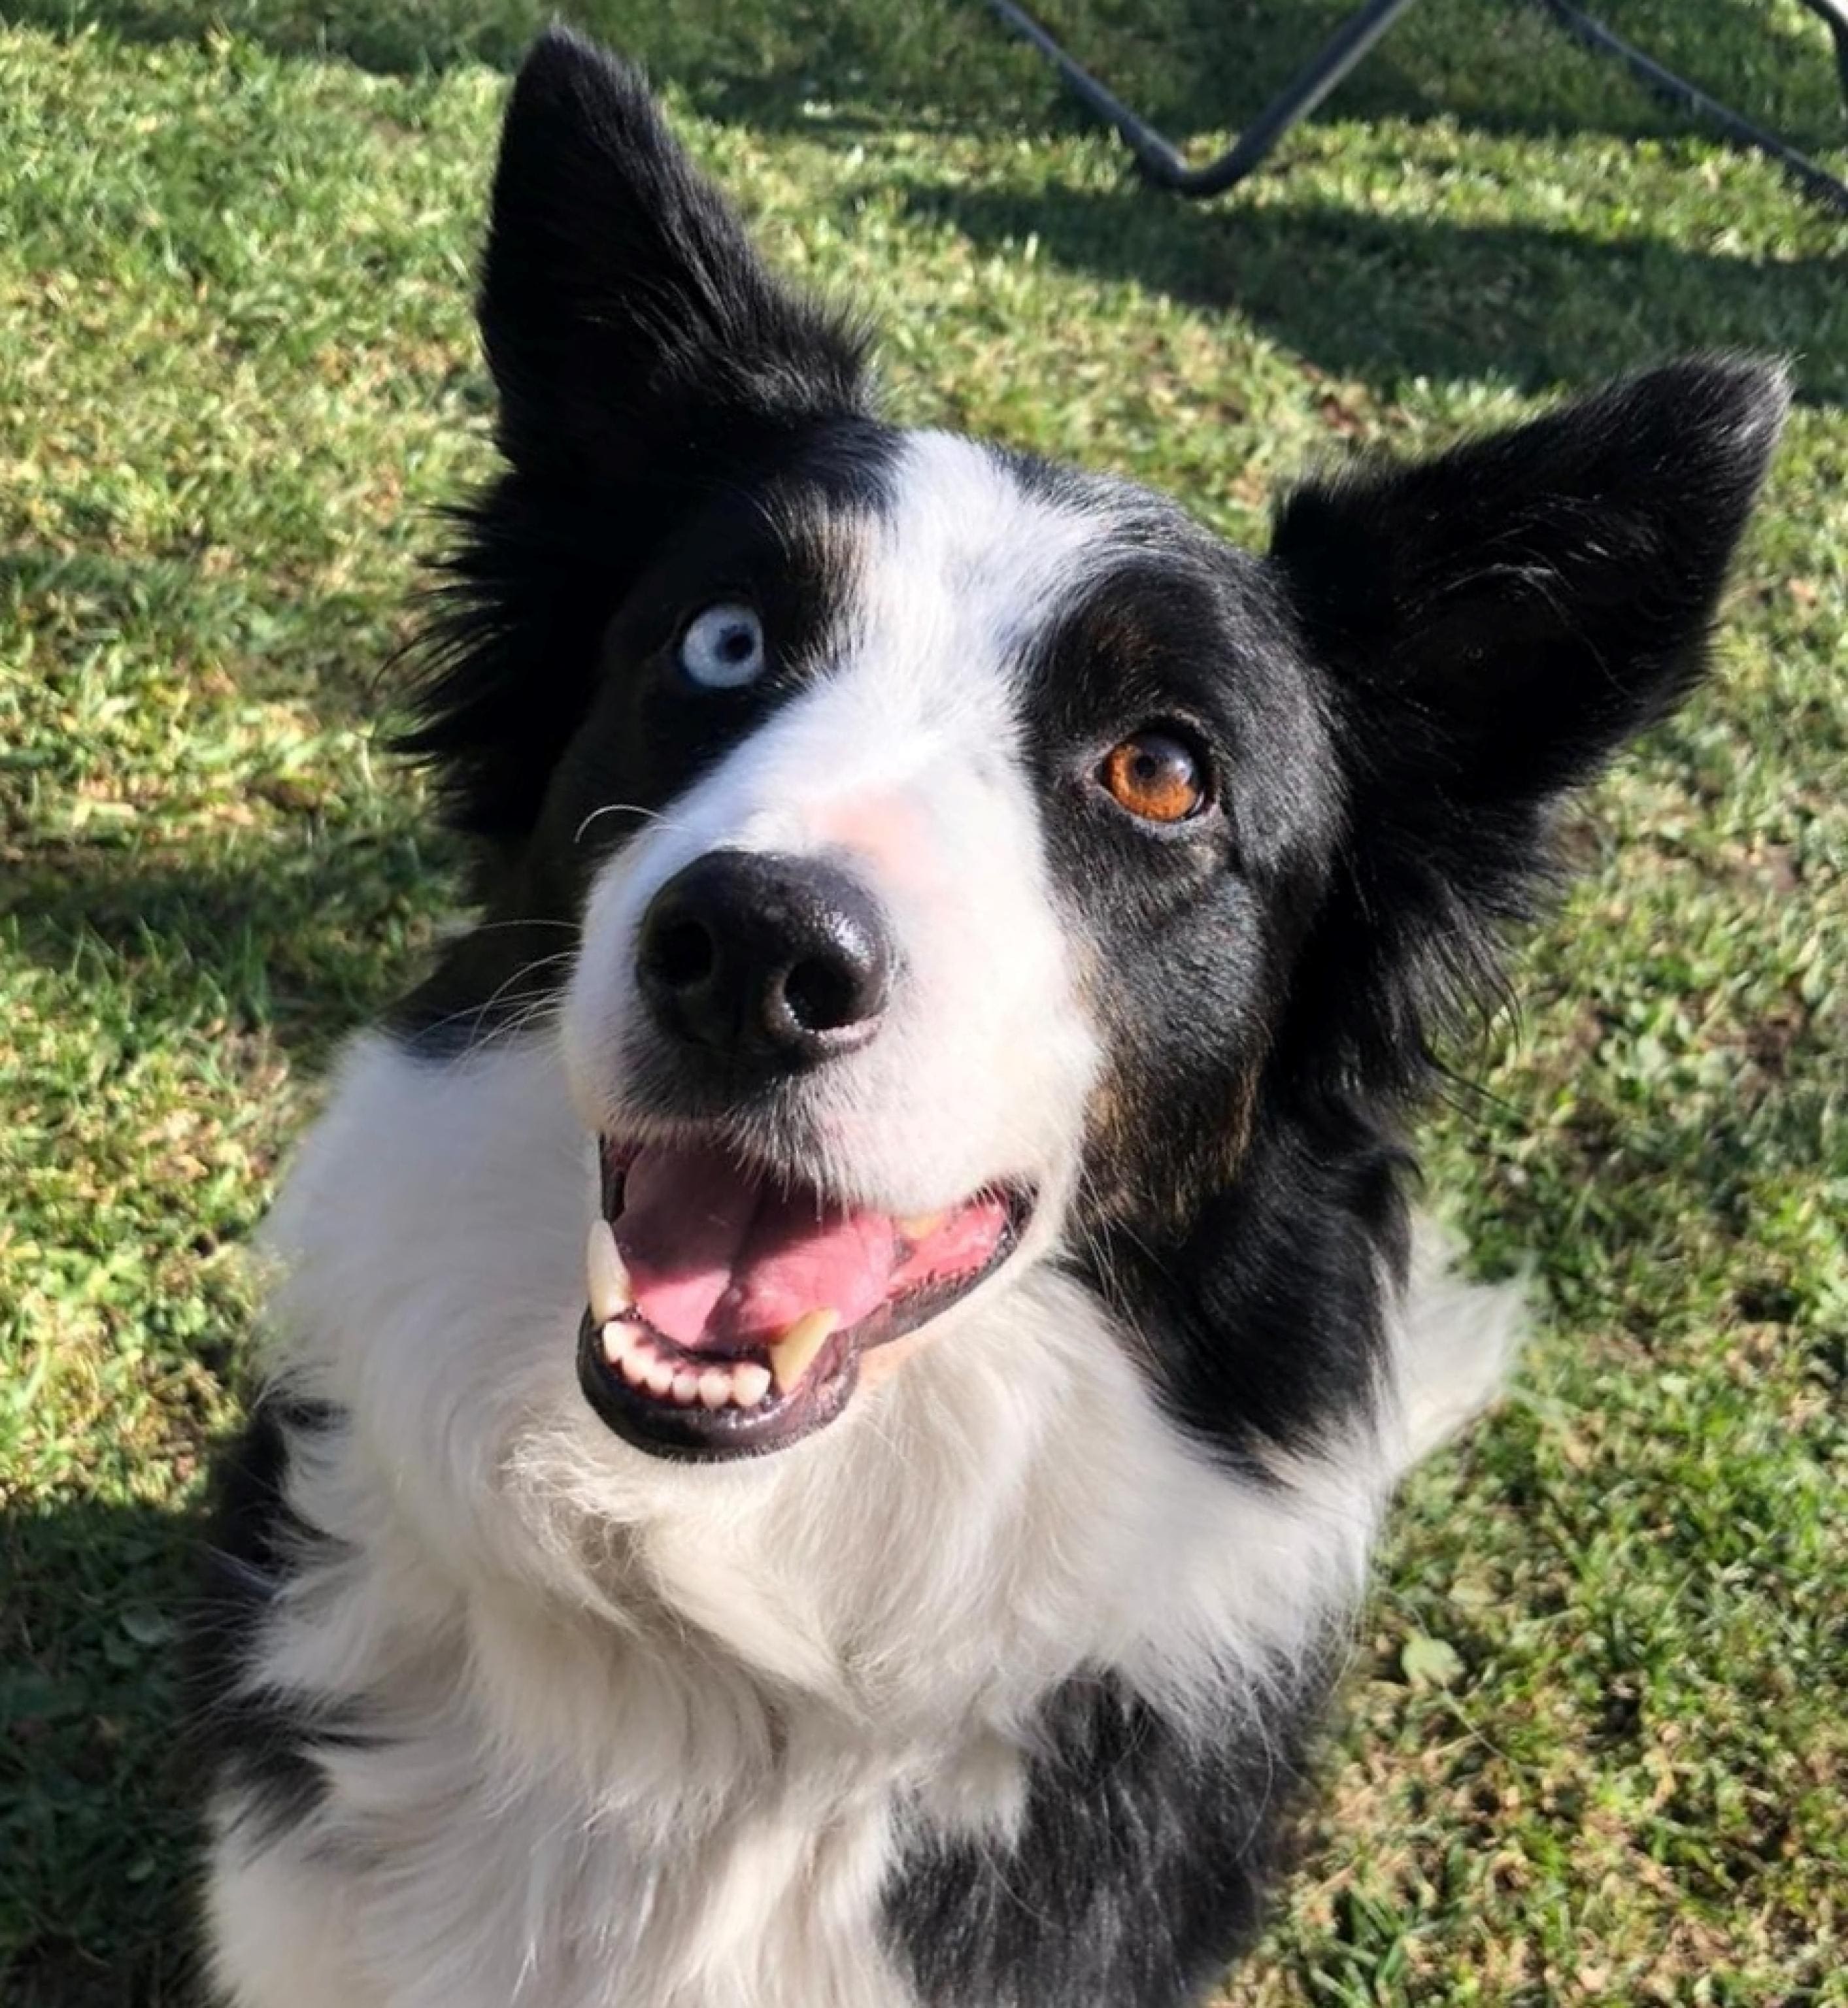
x: 651, y: 1732
x: 1458, y: 1344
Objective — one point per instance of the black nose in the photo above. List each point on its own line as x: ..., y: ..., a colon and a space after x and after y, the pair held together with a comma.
x: 778, y: 962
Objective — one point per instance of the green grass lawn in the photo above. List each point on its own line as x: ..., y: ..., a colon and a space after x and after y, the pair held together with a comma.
x: 1595, y: 1749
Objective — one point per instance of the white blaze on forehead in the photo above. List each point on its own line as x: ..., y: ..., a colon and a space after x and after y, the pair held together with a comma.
x: 944, y: 592
x: 903, y: 760
x: 970, y: 566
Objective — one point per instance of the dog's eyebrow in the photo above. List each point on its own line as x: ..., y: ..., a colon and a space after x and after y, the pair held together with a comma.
x: 1132, y: 610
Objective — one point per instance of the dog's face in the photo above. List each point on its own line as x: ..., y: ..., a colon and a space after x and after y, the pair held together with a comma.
x: 955, y: 848
x: 965, y: 859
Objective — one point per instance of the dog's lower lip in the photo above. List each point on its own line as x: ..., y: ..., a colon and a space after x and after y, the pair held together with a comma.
x: 695, y: 1428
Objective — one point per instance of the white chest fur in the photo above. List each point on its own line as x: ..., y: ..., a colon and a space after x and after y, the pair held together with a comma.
x: 641, y: 1735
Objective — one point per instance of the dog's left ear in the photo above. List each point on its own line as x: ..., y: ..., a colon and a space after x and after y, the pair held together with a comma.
x: 1493, y: 624
x: 631, y: 327
x: 1501, y: 618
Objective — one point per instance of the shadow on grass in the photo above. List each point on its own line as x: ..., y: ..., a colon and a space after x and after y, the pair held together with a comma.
x: 1191, y: 66
x: 300, y: 941
x: 1384, y: 298
x: 292, y: 910
x: 99, y: 1831
x: 285, y: 643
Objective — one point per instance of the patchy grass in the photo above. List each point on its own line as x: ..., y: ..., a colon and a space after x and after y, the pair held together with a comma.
x: 1597, y: 1750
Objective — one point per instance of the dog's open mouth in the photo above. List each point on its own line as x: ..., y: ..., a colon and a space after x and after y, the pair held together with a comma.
x: 729, y: 1308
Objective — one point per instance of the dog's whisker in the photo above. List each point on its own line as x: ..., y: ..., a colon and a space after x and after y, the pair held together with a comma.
x: 621, y: 809
x: 480, y: 1015
x: 521, y: 926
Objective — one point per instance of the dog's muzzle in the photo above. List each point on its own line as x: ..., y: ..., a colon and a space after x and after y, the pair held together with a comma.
x: 732, y: 1299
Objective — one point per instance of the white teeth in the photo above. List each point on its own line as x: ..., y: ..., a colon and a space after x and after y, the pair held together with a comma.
x: 921, y: 1226
x: 751, y: 1383
x: 742, y: 1385
x: 793, y: 1354
x: 611, y: 1292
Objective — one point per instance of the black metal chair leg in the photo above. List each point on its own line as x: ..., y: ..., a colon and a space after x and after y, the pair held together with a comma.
x: 1159, y: 160
x: 1816, y: 181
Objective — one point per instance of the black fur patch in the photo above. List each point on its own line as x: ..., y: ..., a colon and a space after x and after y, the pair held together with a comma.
x: 1188, y: 927
x: 256, y: 1748
x: 1265, y: 1317
x: 1140, y: 1870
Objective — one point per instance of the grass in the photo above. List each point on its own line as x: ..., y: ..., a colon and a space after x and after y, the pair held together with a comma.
x: 1596, y: 1748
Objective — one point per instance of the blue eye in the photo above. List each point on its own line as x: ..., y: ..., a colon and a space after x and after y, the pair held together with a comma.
x: 723, y: 647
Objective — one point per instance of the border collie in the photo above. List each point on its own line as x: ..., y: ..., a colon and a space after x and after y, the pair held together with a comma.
x: 958, y: 945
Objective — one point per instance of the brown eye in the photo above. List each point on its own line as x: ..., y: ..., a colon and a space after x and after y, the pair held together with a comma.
x: 1155, y: 776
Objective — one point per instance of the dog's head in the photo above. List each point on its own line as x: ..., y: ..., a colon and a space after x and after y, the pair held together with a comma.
x: 965, y: 856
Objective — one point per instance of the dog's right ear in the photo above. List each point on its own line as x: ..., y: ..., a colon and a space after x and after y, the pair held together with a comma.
x: 628, y: 321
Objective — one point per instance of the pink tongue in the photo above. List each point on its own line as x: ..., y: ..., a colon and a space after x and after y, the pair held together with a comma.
x: 718, y: 1258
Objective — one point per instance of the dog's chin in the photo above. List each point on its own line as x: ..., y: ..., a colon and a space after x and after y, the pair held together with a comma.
x: 733, y: 1306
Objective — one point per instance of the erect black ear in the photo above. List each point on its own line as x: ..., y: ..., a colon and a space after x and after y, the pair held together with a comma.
x: 623, y: 307
x: 645, y: 359
x: 1493, y: 623
x: 1504, y: 615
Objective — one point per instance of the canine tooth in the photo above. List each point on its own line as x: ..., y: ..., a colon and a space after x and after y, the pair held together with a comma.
x: 793, y: 1354
x: 611, y: 1292
x: 751, y: 1383
x: 921, y: 1226
x: 686, y: 1386
x: 659, y: 1375
x: 714, y: 1387
x: 618, y: 1339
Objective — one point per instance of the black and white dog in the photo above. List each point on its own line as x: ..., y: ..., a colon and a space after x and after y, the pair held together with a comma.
x: 960, y: 943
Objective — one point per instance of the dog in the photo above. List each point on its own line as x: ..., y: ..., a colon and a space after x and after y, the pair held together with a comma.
x: 839, y: 1362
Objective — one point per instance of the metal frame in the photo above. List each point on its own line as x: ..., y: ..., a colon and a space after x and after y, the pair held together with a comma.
x: 1161, y: 162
